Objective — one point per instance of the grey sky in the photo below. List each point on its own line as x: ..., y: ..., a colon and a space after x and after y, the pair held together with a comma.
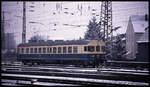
x: 51, y: 18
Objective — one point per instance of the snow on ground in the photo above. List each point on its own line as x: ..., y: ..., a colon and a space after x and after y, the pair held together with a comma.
x: 79, y: 79
x: 131, y: 70
x: 123, y: 71
x: 10, y: 82
x: 53, y: 84
x: 79, y: 70
x: 90, y: 69
x: 126, y: 72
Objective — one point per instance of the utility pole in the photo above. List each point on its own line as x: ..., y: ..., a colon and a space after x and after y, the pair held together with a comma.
x: 24, y: 23
x: 3, y: 32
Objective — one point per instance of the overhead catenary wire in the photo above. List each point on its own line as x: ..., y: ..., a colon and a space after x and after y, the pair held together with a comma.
x: 47, y: 16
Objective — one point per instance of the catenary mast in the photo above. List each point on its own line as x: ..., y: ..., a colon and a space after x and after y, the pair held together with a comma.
x: 106, y: 25
x: 24, y: 23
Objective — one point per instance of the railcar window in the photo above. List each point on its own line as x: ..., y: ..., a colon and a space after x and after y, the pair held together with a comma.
x: 35, y: 50
x: 31, y: 50
x: 54, y: 50
x: 22, y: 50
x: 91, y: 48
x: 75, y: 49
x: 44, y: 50
x: 59, y: 49
x: 39, y: 50
x: 64, y: 49
x: 69, y: 49
x: 85, y: 48
x: 27, y: 50
x: 103, y: 48
x: 49, y: 50
x: 97, y: 48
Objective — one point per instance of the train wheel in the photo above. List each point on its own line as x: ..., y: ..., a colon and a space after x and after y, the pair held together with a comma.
x: 93, y: 65
x: 38, y: 63
x: 34, y: 63
x: 85, y: 64
x: 24, y: 63
x: 61, y: 62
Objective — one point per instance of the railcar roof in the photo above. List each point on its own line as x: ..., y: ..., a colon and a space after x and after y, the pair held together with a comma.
x: 53, y: 43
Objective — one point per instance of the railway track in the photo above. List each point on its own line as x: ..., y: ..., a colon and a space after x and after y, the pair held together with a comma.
x: 72, y: 80
x: 72, y: 76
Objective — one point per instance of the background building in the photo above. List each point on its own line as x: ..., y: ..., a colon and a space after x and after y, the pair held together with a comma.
x: 137, y: 29
x: 10, y: 43
x: 143, y: 49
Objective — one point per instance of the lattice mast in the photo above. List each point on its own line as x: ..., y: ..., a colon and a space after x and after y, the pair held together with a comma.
x: 106, y: 27
x: 106, y: 20
x: 24, y: 23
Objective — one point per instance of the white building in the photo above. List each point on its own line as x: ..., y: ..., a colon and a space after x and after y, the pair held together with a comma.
x: 10, y: 43
x: 137, y: 26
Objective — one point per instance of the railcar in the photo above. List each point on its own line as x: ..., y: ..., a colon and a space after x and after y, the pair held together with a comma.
x: 80, y: 52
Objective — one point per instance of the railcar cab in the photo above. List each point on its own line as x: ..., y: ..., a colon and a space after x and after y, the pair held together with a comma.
x: 95, y: 47
x: 95, y: 51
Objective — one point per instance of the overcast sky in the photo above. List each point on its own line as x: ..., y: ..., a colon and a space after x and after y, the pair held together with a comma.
x: 51, y: 18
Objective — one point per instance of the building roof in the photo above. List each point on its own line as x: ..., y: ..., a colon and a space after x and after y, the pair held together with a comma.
x: 139, y: 23
x: 144, y: 38
x: 52, y: 43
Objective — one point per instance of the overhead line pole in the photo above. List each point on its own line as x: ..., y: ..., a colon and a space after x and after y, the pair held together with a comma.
x: 24, y: 23
x: 106, y: 23
x: 3, y: 32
